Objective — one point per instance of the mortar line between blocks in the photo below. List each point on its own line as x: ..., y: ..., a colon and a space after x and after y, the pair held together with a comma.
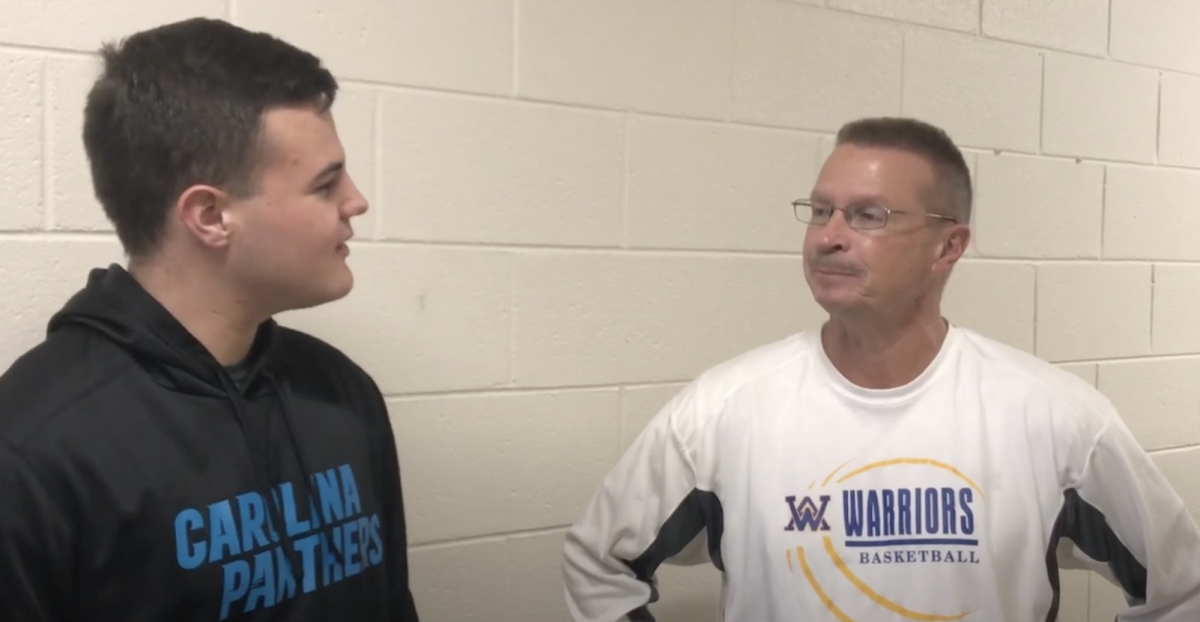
x: 622, y: 396
x: 1108, y: 34
x: 516, y: 47
x: 728, y: 120
x: 911, y: 26
x: 608, y: 249
x: 1153, y: 279
x: 1177, y: 449
x: 512, y: 320
x: 377, y: 169
x: 626, y: 234
x: 1141, y: 358
x: 903, y: 53
x: 497, y: 391
x: 622, y: 423
x: 484, y: 539
x: 1036, y: 329
x: 1158, y: 121
x: 1103, y: 209
x: 46, y: 51
x: 1042, y: 108
x: 48, y: 216
x: 730, y: 82
x: 1079, y: 260
x: 1087, y: 583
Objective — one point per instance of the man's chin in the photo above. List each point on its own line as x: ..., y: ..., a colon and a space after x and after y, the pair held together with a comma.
x: 837, y: 302
x: 335, y: 287
x: 340, y: 287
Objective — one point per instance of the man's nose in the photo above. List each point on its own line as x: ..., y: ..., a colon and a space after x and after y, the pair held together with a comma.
x: 833, y: 235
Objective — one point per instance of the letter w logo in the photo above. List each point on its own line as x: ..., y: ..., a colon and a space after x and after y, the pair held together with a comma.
x: 807, y: 515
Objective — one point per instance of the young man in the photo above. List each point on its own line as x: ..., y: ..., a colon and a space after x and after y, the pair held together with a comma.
x: 890, y: 465
x: 169, y: 452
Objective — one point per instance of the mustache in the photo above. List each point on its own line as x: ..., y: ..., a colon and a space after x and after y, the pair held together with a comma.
x: 826, y: 264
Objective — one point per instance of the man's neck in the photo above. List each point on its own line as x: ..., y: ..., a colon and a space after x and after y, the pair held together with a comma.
x: 878, y: 355
x: 211, y: 313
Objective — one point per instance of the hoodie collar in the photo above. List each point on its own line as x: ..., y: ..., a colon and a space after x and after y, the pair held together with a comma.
x: 114, y: 304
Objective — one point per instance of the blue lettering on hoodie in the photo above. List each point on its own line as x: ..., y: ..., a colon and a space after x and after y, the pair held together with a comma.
x: 335, y: 541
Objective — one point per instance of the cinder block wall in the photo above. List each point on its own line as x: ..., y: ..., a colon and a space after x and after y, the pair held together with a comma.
x: 577, y: 206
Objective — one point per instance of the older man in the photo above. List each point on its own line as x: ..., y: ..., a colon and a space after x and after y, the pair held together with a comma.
x: 891, y: 465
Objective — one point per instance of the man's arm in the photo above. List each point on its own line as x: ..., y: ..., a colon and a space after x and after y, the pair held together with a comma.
x: 648, y: 510
x: 35, y: 567
x: 1131, y: 526
x: 401, y: 605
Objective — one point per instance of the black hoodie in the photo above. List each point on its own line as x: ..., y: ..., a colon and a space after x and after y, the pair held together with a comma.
x: 135, y: 473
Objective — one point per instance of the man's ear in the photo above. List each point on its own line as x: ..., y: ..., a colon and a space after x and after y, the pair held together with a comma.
x: 953, y: 245
x: 202, y: 211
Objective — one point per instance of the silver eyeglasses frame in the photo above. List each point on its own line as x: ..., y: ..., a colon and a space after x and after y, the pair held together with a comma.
x: 861, y: 217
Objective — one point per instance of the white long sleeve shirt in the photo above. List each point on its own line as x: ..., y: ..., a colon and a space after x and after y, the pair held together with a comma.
x: 956, y: 497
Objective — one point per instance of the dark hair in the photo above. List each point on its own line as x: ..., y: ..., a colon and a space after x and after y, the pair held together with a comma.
x: 952, y: 194
x: 181, y: 104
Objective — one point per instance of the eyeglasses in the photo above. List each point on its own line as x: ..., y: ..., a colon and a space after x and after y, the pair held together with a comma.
x: 862, y: 217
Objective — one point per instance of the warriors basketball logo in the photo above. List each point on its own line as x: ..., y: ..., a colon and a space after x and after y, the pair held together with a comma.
x: 861, y: 538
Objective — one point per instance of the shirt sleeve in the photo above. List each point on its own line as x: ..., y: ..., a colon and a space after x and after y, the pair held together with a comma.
x: 649, y: 510
x: 35, y: 546
x: 1128, y: 523
x: 401, y: 605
